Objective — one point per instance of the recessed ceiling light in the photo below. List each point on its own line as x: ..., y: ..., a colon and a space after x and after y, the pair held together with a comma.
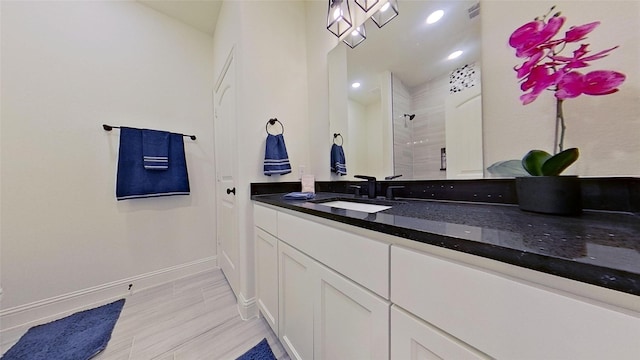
x: 435, y: 16
x: 355, y: 85
x: 454, y: 54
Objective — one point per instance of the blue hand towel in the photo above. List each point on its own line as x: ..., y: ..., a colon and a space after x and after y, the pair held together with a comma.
x: 299, y: 195
x: 155, y: 149
x: 133, y: 181
x: 338, y: 161
x: 276, y: 159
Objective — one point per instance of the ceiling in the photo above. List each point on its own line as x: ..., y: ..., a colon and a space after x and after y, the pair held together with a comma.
x: 414, y: 52
x: 201, y: 14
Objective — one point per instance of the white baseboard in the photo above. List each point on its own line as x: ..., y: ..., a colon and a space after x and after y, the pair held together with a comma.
x: 248, y: 308
x: 42, y: 311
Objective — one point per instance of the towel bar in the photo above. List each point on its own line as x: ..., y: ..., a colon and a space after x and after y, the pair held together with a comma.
x: 109, y: 128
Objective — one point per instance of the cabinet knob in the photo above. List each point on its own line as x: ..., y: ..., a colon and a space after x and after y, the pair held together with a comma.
x: 229, y: 191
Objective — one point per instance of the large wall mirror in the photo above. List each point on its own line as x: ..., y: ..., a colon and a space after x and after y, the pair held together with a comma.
x: 411, y: 117
x: 396, y: 122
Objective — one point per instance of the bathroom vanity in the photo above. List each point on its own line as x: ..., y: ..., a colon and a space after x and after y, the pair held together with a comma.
x: 449, y: 279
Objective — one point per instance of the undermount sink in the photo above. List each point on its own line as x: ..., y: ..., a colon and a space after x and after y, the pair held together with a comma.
x: 363, y: 205
x: 368, y: 208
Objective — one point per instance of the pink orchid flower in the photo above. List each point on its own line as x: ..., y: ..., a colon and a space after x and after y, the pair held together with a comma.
x: 540, y: 78
x: 528, y: 65
x: 529, y: 36
x: 598, y: 82
x: 579, y: 60
x: 545, y: 69
x: 578, y: 33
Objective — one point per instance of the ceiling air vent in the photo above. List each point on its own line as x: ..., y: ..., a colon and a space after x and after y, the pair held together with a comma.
x: 474, y: 10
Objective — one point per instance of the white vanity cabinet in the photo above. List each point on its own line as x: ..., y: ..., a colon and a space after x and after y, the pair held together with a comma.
x: 266, y: 250
x: 508, y: 318
x: 344, y: 292
x: 267, y: 276
x: 297, y: 286
x: 350, y: 322
x: 323, y: 315
x: 329, y: 284
x: 414, y: 339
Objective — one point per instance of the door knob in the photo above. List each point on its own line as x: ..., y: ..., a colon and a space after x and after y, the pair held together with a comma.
x: 229, y: 191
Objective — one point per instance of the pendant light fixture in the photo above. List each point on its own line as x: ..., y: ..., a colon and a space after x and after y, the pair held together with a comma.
x: 366, y: 5
x: 387, y: 12
x: 338, y: 17
x: 356, y: 37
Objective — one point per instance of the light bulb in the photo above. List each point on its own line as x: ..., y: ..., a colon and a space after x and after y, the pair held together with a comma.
x: 454, y: 54
x: 337, y: 13
x: 435, y: 16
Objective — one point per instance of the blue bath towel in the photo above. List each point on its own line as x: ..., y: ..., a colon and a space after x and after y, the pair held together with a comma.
x: 134, y: 181
x: 276, y: 159
x: 297, y: 195
x: 338, y: 161
x: 155, y: 149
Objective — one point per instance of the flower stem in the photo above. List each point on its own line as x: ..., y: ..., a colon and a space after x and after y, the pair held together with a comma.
x: 559, y: 123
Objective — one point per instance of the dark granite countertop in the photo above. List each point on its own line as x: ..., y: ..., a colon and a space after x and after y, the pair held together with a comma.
x: 597, y: 247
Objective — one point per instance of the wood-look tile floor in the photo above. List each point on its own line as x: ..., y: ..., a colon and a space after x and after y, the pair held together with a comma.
x: 191, y: 318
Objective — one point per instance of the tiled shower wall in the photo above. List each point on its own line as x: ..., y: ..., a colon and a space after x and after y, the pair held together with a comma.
x: 417, y: 142
x: 402, y: 139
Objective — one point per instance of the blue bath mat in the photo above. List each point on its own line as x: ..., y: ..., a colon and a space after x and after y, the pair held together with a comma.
x: 262, y: 351
x: 76, y: 337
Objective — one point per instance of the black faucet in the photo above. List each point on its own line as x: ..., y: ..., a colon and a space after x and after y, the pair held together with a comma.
x: 371, y: 185
x: 390, y: 191
x: 392, y: 177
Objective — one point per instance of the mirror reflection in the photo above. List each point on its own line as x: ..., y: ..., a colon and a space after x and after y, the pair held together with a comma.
x: 409, y: 88
x: 407, y: 55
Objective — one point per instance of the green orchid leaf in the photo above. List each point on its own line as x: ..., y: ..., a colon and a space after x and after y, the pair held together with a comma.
x: 533, y: 161
x: 507, y: 168
x: 559, y: 162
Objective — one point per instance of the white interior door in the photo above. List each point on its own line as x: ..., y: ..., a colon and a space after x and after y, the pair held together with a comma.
x: 225, y: 135
x: 463, y: 129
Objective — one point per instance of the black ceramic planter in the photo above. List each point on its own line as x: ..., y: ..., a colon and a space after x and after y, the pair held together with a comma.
x: 558, y: 195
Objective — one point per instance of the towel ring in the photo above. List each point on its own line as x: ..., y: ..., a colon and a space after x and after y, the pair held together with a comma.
x: 273, y: 122
x: 335, y: 136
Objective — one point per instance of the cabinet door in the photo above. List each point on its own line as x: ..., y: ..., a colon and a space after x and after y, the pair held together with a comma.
x: 414, y: 339
x: 350, y: 322
x: 296, y: 291
x: 509, y: 318
x: 267, y: 277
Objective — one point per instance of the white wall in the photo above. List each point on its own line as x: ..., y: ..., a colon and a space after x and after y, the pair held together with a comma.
x: 269, y: 40
x: 374, y: 130
x: 606, y: 128
x: 319, y: 42
x: 67, y: 68
x: 356, y: 140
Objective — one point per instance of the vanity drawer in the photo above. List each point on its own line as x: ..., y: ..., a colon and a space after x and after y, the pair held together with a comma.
x: 266, y: 219
x: 508, y: 318
x: 363, y: 260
